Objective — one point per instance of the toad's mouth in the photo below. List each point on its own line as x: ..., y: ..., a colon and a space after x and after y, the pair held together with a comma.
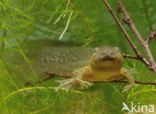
x: 107, y: 58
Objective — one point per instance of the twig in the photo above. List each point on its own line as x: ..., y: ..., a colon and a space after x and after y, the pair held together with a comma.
x: 135, y: 49
x: 127, y: 19
x: 143, y: 42
x: 149, y: 62
x: 151, y: 36
x: 137, y: 82
x: 129, y: 56
x: 136, y: 58
x: 122, y: 28
x: 69, y: 75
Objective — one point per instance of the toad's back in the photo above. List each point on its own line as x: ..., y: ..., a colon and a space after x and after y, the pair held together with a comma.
x: 62, y: 59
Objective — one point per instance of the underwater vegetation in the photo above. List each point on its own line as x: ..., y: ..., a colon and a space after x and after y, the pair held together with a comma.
x: 40, y: 37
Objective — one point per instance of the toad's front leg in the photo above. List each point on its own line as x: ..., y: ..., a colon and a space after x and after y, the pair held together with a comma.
x: 129, y: 76
x: 75, y: 81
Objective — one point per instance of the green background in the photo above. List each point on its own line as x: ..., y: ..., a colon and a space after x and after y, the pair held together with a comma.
x: 26, y: 26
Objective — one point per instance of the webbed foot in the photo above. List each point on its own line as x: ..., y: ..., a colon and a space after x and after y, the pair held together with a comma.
x: 72, y: 83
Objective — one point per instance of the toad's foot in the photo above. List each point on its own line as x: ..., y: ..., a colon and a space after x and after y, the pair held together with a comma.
x: 128, y: 87
x: 72, y: 83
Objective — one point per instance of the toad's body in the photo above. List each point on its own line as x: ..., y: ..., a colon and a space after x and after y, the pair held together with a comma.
x: 104, y: 65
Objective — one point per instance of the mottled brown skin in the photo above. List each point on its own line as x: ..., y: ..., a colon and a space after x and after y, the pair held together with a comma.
x: 104, y: 65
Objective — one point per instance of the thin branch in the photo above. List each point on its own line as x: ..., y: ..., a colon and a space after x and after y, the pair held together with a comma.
x: 137, y: 82
x: 135, y: 49
x: 129, y: 22
x: 122, y: 28
x: 142, y: 59
x: 151, y: 36
x: 130, y: 56
x: 52, y: 75
x: 149, y: 62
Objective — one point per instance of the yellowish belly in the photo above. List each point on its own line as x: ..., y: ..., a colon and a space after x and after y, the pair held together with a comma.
x: 107, y: 75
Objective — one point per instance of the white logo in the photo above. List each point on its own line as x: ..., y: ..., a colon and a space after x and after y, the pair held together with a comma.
x: 137, y: 108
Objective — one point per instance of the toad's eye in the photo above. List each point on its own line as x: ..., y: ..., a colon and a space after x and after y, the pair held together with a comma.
x: 95, y: 50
